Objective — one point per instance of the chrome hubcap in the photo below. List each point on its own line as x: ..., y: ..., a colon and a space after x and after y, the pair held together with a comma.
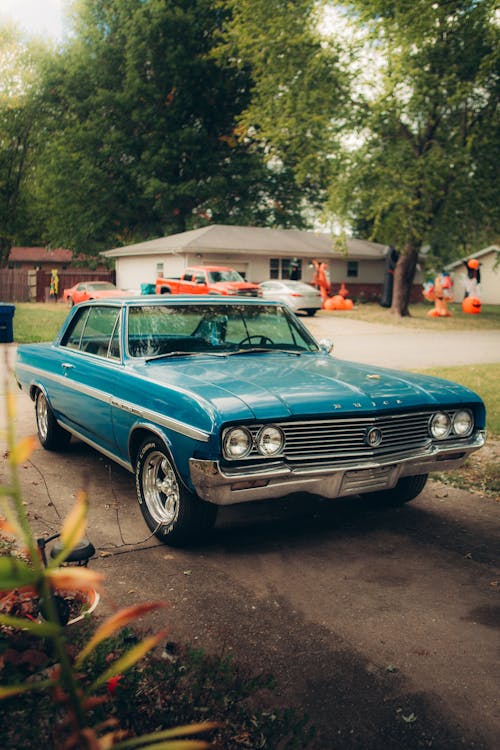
x: 42, y: 416
x: 160, y: 488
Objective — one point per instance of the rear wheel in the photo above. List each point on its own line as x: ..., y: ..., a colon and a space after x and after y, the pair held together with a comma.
x: 172, y: 513
x: 406, y: 490
x: 51, y: 435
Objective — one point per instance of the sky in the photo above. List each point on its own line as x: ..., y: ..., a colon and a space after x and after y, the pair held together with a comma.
x: 36, y: 17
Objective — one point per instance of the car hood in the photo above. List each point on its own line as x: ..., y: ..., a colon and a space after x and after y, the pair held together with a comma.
x: 234, y: 285
x: 108, y: 293
x: 281, y: 386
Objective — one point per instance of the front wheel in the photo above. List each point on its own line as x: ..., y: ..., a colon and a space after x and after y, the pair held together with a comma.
x: 175, y: 515
x: 51, y: 435
x: 406, y: 490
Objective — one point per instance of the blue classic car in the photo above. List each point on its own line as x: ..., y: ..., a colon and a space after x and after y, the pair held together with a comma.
x: 219, y: 401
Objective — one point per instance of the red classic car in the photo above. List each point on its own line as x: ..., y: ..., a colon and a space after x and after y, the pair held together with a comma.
x: 86, y: 290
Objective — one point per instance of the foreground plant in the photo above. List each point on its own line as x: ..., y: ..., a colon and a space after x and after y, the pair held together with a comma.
x: 22, y: 573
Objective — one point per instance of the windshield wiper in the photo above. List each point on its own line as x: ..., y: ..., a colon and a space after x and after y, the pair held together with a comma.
x: 258, y: 350
x: 167, y: 355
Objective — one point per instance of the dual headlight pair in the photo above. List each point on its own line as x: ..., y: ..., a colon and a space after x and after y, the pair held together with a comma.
x: 457, y: 424
x: 237, y: 442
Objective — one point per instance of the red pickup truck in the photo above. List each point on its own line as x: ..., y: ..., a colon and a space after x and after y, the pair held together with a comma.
x: 208, y: 280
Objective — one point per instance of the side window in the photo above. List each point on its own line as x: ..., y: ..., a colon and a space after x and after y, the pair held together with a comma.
x: 188, y: 276
x: 200, y: 278
x: 73, y: 336
x: 94, y: 330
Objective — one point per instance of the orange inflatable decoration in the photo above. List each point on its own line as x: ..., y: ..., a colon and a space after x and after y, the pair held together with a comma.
x: 338, y: 302
x: 440, y: 293
x: 321, y: 280
x: 471, y: 305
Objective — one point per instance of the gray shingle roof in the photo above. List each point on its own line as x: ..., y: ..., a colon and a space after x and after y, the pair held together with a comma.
x: 256, y: 240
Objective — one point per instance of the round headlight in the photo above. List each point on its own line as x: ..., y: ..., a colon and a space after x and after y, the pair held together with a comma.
x: 237, y: 443
x: 463, y: 423
x: 270, y: 441
x: 440, y: 425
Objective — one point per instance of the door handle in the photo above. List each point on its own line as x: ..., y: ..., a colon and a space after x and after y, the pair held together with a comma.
x: 67, y: 366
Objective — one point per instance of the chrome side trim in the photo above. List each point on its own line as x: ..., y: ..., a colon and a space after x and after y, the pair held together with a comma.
x: 126, y: 464
x: 126, y: 406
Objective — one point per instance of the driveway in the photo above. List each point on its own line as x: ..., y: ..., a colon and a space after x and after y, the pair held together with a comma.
x: 381, y: 624
x: 393, y: 346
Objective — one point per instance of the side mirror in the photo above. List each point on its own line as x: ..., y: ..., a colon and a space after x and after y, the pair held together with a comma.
x: 326, y: 345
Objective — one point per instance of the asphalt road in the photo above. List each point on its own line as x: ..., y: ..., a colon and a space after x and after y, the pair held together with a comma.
x: 381, y: 624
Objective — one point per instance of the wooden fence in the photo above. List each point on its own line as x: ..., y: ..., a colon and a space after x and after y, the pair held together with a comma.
x: 17, y: 285
x: 26, y: 285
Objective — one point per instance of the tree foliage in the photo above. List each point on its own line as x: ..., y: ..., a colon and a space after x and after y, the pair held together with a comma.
x: 145, y: 139
x: 411, y: 161
x: 19, y: 133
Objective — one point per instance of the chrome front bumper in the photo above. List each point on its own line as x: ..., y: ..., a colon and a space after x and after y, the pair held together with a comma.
x: 276, y: 479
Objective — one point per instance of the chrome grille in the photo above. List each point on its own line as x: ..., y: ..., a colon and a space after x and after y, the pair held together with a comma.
x: 345, y: 439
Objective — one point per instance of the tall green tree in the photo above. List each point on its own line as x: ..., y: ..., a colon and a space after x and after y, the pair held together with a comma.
x: 412, y: 157
x: 19, y: 131
x: 145, y: 134
x: 424, y: 173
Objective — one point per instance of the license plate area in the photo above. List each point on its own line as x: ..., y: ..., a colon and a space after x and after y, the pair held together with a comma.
x: 369, y: 480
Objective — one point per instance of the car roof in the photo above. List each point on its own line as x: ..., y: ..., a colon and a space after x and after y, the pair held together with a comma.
x: 177, y: 299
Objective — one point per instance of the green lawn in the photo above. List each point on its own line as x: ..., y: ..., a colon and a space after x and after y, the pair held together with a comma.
x: 37, y: 321
x: 483, y: 379
x: 488, y: 318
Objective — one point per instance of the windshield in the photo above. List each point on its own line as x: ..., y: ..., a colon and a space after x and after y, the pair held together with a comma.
x: 157, y: 330
x: 229, y: 275
x: 98, y: 286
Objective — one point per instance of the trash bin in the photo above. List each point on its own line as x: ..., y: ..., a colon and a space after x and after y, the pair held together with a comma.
x: 148, y: 288
x: 6, y: 329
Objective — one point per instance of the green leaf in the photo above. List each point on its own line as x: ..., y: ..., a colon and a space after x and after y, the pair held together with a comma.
x: 11, y: 690
x: 129, y: 659
x: 167, y: 734
x: 36, y: 627
x: 15, y: 573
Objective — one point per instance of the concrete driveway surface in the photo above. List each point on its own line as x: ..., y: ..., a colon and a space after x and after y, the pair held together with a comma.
x: 393, y: 346
x: 381, y: 624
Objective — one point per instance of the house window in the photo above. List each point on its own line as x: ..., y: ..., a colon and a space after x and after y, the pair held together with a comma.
x: 285, y: 268
x: 159, y: 269
x: 352, y: 269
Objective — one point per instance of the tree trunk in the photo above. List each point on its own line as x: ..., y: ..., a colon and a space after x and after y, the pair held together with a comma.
x: 404, y: 274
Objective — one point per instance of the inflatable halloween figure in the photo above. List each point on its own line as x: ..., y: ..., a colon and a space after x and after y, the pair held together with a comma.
x: 473, y: 278
x: 441, y: 294
x: 321, y: 279
x: 471, y: 305
x: 391, y: 260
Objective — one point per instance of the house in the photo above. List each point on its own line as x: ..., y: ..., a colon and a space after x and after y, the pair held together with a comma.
x: 258, y: 253
x: 29, y: 273
x: 489, y: 260
x: 39, y: 258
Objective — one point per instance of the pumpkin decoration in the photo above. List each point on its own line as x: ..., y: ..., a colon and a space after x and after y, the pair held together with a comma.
x: 335, y: 303
x: 471, y: 305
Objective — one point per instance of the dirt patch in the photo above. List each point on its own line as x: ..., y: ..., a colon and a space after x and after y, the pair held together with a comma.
x: 480, y: 473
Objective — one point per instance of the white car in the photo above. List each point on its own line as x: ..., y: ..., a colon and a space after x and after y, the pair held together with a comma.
x: 297, y: 295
